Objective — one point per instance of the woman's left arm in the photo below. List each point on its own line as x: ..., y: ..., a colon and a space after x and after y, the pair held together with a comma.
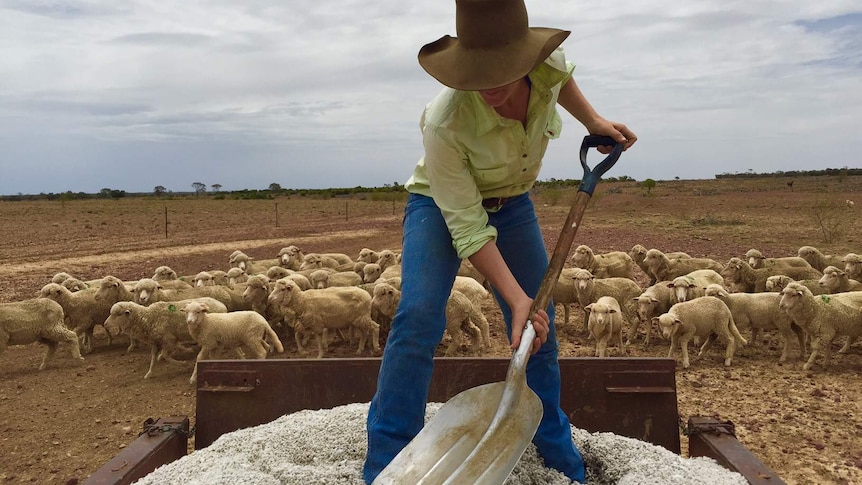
x: 572, y: 99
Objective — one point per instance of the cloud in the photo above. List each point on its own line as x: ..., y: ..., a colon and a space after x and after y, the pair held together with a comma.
x: 330, y: 93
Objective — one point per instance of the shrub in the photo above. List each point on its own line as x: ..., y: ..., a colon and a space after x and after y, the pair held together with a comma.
x: 830, y: 217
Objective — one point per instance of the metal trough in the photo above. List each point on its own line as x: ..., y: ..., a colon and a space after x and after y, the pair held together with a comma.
x: 634, y: 397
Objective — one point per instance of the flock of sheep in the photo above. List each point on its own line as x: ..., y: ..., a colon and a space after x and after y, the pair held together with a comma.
x: 811, y: 298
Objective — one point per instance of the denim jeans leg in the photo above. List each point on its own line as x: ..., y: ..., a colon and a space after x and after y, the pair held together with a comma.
x: 428, y: 268
x: 522, y: 246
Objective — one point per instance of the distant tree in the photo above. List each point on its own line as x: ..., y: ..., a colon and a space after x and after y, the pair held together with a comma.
x: 216, y: 187
x: 200, y: 188
x: 648, y: 184
x: 105, y: 193
x: 676, y: 178
x: 159, y: 190
x: 274, y: 187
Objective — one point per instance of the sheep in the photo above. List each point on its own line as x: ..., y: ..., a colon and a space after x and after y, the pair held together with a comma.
x: 60, y: 277
x: 654, y: 301
x: 74, y: 284
x: 367, y: 256
x: 759, y: 311
x: 823, y: 317
x: 371, y: 272
x: 161, y: 326
x: 330, y: 308
x: 756, y: 260
x: 615, y: 264
x: 752, y: 280
x: 238, y: 330
x: 81, y: 309
x: 337, y: 261
x: 219, y: 277
x: 661, y: 267
x: 564, y: 292
x: 605, y: 323
x: 236, y: 275
x: 164, y: 273
x: 248, y: 265
x: 705, y: 317
x: 466, y: 268
x: 462, y: 313
x: 204, y: 278
x: 836, y: 281
x: 692, y: 285
x: 589, y: 289
x: 290, y: 257
x: 323, y: 279
x: 148, y: 291
x: 394, y: 271
x: 638, y: 253
x: 817, y: 259
x: 277, y: 272
x: 256, y: 292
x: 853, y: 266
x: 387, y: 258
x: 36, y: 320
x: 777, y: 283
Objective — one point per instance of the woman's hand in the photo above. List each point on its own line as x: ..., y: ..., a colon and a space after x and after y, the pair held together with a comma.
x: 618, y: 131
x: 541, y: 323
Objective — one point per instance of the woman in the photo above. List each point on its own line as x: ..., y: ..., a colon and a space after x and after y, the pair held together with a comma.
x: 484, y: 137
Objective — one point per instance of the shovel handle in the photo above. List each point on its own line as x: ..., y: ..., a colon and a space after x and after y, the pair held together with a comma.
x: 573, y: 220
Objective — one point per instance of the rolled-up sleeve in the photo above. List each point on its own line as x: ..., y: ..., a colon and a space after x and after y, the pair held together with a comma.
x: 455, y: 192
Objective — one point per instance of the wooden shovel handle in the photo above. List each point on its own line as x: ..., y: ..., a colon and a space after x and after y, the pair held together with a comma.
x: 576, y: 213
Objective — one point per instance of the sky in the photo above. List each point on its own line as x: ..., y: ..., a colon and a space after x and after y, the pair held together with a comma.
x: 133, y: 94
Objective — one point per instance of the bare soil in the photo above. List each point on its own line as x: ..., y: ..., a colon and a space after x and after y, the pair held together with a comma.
x: 61, y: 424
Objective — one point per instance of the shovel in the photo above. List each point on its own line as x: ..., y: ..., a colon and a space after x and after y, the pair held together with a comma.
x: 479, y: 435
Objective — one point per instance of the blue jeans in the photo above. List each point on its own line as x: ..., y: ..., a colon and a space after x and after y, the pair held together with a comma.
x: 428, y: 268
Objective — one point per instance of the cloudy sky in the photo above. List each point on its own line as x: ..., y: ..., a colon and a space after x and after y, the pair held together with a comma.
x: 312, y: 94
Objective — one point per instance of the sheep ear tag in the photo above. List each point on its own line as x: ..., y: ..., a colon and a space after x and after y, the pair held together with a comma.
x: 172, y: 308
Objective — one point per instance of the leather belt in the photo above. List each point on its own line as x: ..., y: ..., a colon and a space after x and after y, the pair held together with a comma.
x: 494, y: 203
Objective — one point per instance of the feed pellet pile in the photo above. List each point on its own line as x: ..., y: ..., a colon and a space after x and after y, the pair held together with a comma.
x: 327, y: 447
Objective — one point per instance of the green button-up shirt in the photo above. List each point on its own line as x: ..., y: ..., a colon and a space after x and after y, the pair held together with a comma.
x: 472, y: 153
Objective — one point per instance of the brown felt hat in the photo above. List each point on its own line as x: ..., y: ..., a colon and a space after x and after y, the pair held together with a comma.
x: 495, y: 46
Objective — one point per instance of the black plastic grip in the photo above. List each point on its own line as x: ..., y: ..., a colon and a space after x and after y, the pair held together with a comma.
x: 591, y: 177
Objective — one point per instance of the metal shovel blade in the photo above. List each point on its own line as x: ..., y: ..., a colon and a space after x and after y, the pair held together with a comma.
x: 477, y: 437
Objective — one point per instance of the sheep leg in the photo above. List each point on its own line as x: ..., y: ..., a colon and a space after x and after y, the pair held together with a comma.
x: 826, y: 343
x: 456, y: 339
x: 108, y: 333
x: 683, y: 342
x: 321, y: 342
x: 133, y: 344
x: 203, y: 354
x: 257, y: 349
x: 731, y: 348
x: 673, y: 343
x: 755, y: 332
x: 815, y: 349
x: 632, y: 330
x: 154, y: 351
x: 706, y: 344
x: 602, y: 346
x: 620, y: 342
x: 846, y: 347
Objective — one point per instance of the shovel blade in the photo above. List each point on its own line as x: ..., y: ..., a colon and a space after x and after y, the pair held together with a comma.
x: 471, y: 439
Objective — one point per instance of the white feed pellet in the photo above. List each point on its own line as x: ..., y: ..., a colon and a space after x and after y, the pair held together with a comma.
x: 327, y: 447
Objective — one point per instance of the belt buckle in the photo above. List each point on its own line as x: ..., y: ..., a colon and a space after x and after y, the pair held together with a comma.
x: 499, y: 203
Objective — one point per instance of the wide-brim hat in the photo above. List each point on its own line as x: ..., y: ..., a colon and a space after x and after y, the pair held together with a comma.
x: 495, y: 46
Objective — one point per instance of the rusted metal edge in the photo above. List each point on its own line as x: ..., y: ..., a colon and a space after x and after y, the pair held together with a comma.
x: 167, y: 441
x: 711, y: 437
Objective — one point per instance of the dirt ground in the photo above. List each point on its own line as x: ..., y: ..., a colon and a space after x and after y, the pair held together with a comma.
x: 61, y: 424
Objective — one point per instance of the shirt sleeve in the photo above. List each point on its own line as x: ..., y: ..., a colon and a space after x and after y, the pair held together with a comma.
x: 454, y: 191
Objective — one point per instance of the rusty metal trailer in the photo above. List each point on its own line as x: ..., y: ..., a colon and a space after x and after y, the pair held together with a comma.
x: 634, y: 397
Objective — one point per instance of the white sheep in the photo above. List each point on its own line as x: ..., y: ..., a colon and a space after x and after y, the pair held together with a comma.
x: 367, y: 255
x: 605, y: 323
x: 564, y: 292
x: 249, y: 265
x: 823, y: 317
x: 371, y: 272
x: 290, y: 257
x: 60, y: 277
x: 148, y: 291
x: 654, y: 301
x: 245, y: 330
x: 638, y: 255
x: 614, y: 264
x: 324, y: 279
x: 835, y: 280
x: 661, y: 267
x: 219, y: 277
x: 589, y: 289
x: 160, y: 326
x: 81, y: 309
x: 337, y: 261
x: 384, y: 304
x: 74, y: 284
x: 236, y: 275
x: 853, y: 266
x: 705, y: 317
x: 817, y: 259
x: 204, y: 278
x: 277, y: 272
x: 333, y: 308
x: 757, y: 260
x: 760, y: 311
x: 164, y: 273
x: 36, y: 320
x: 778, y: 282
x: 751, y: 280
x: 257, y: 292
x: 693, y: 285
